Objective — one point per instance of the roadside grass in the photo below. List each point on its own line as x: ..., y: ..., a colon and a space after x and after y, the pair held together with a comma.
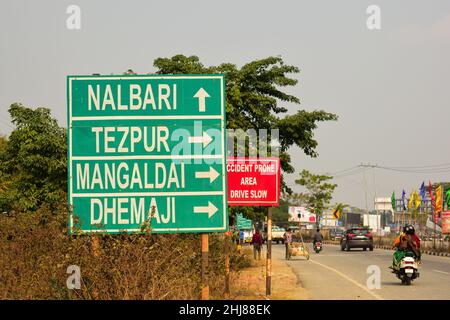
x: 250, y: 283
x: 36, y: 250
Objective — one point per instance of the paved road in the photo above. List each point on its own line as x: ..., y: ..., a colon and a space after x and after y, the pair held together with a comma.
x: 336, y: 274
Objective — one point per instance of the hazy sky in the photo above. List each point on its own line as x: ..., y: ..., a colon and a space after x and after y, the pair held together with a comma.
x: 390, y: 87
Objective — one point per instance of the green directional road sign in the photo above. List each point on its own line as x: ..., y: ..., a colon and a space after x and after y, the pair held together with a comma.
x: 243, y: 223
x: 147, y: 151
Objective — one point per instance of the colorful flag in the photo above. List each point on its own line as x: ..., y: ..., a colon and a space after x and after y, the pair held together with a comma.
x: 410, y: 202
x: 430, y: 191
x: 422, y: 191
x: 417, y: 199
x: 447, y: 198
x: 403, y: 200
x: 393, y: 202
x: 438, y: 206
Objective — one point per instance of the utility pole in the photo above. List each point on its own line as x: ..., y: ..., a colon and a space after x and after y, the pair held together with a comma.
x: 368, y: 165
x: 204, y: 275
x: 269, y: 253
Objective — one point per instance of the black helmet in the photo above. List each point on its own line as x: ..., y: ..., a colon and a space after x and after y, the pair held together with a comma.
x: 408, y: 229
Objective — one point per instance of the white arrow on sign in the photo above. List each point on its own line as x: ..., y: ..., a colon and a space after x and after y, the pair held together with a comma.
x: 205, y: 139
x: 201, y: 95
x: 210, y: 209
x: 211, y: 174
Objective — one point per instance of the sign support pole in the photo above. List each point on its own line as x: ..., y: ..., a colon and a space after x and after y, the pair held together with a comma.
x: 95, y: 245
x: 434, y: 236
x: 205, y: 252
x: 227, y: 265
x: 95, y: 252
x: 269, y: 253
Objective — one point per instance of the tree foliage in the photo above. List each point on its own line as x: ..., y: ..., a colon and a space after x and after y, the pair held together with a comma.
x: 254, y: 100
x: 33, y: 163
x: 318, y: 191
x: 33, y: 167
x: 280, y: 214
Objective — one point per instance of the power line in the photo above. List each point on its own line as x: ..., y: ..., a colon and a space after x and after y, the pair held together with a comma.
x: 355, y: 170
x: 422, y: 167
x: 342, y: 171
x: 431, y: 170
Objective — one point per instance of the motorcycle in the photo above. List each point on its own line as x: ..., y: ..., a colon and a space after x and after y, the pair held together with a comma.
x: 407, y: 269
x: 318, y: 247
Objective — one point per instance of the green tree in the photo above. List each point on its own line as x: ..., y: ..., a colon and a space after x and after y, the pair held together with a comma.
x: 253, y: 95
x: 33, y: 164
x: 280, y: 214
x: 254, y: 99
x: 3, y: 143
x: 296, y: 199
x: 318, y: 191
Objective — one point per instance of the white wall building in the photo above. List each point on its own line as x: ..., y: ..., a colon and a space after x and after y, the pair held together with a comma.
x: 328, y: 221
x: 383, y: 204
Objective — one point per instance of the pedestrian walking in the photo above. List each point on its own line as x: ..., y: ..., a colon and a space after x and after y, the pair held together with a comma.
x: 257, y: 244
x: 287, y: 241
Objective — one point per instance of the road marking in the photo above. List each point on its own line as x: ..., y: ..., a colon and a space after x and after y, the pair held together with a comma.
x: 441, y: 271
x: 376, y: 296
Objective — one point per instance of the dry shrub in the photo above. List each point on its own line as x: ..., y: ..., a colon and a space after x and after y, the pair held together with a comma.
x: 35, y: 251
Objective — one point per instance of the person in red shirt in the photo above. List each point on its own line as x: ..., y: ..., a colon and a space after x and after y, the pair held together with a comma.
x: 257, y: 244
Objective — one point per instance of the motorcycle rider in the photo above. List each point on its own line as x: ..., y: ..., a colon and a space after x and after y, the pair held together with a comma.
x: 317, y: 237
x: 407, y: 241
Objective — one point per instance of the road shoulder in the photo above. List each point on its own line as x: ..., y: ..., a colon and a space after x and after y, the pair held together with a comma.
x: 250, y: 283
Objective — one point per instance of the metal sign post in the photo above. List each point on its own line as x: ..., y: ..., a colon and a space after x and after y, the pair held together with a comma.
x: 205, y: 253
x: 227, y: 265
x: 269, y: 253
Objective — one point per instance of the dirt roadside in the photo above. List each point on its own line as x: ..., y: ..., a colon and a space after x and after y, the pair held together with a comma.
x: 250, y: 283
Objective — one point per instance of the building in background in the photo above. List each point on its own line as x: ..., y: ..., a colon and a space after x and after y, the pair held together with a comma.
x: 303, y: 217
x: 381, y: 220
x: 327, y: 221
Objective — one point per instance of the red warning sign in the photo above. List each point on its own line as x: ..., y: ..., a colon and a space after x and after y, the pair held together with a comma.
x: 445, y: 216
x: 253, y: 181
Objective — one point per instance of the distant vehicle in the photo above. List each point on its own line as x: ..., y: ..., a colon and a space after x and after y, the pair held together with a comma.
x: 248, y: 235
x: 357, y: 238
x: 407, y: 270
x: 277, y: 234
x: 318, y: 247
x: 336, y: 234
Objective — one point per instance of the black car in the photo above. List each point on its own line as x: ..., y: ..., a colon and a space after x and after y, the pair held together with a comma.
x: 357, y: 238
x: 336, y: 234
